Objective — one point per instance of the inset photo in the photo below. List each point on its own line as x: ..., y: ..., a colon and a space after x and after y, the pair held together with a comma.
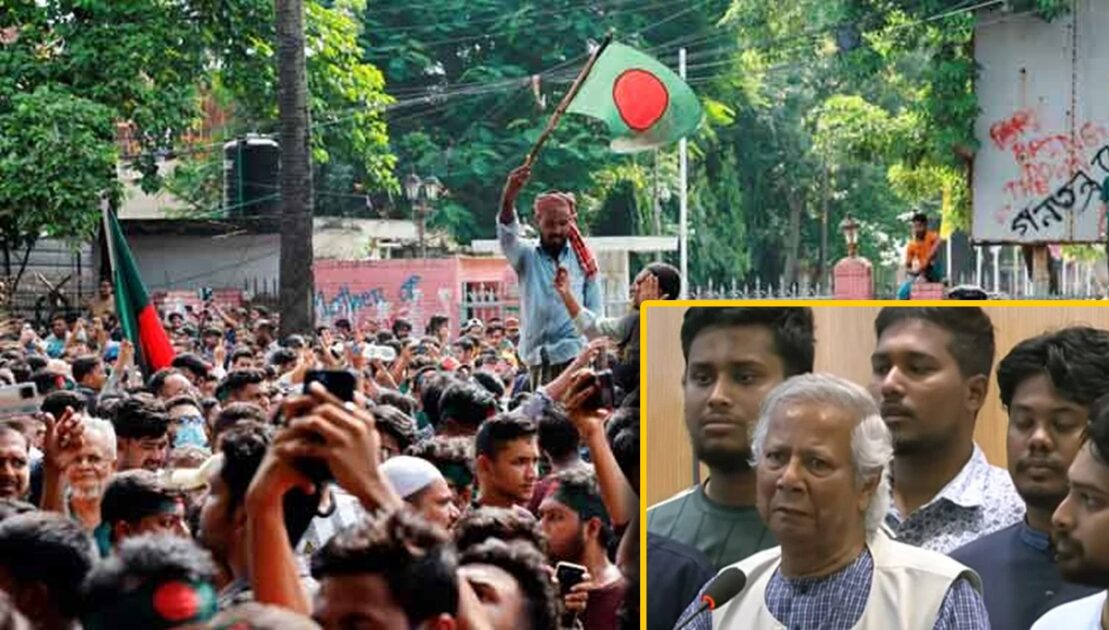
x: 870, y: 466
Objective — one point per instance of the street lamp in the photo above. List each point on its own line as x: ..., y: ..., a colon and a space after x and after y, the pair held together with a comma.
x: 420, y: 192
x: 850, y: 228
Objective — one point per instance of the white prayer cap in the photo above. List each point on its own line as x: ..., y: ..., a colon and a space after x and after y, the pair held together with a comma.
x: 409, y: 475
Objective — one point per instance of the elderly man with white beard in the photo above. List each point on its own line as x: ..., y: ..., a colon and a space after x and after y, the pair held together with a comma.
x: 80, y: 456
x: 821, y: 453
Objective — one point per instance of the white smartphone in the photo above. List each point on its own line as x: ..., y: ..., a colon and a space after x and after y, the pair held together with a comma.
x: 19, y: 400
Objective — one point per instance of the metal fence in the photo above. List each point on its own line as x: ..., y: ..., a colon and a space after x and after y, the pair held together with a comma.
x: 58, y: 278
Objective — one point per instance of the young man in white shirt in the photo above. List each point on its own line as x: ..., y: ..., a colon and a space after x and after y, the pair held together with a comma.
x: 1079, y: 526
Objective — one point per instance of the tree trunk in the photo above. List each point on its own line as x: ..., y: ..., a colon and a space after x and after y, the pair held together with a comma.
x: 793, y: 244
x: 296, y: 285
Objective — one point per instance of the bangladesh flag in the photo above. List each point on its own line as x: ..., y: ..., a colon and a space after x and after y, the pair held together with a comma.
x: 137, y: 314
x: 644, y: 103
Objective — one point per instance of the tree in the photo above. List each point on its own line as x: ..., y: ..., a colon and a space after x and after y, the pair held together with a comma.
x: 69, y: 73
x: 296, y: 171
x: 57, y: 159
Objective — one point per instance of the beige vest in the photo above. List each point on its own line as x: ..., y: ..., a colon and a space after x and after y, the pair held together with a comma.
x: 906, y: 592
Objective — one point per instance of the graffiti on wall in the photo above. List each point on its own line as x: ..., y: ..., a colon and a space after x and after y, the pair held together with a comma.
x: 1056, y: 179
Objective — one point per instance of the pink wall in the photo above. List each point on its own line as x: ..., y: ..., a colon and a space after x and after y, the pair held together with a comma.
x: 414, y: 289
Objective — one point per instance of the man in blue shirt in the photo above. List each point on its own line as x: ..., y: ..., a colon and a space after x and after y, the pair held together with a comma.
x: 549, y: 341
x: 1047, y: 385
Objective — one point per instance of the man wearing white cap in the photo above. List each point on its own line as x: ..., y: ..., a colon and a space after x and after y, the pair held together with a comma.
x: 422, y: 486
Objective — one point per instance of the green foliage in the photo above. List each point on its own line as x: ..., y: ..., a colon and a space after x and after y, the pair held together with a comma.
x: 57, y: 157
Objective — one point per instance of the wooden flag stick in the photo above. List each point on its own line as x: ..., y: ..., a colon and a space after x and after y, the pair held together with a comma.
x: 558, y: 112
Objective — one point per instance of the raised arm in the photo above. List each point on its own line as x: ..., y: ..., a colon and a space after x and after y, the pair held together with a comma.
x: 516, y: 181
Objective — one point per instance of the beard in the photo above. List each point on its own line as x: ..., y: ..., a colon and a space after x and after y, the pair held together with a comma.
x: 87, y: 490
x: 552, y: 246
x: 574, y: 550
x: 1075, y: 565
x: 725, y: 460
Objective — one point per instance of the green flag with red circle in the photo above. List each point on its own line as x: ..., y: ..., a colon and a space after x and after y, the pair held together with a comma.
x: 644, y: 103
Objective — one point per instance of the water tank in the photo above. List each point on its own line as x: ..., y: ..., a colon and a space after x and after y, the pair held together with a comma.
x: 250, y: 171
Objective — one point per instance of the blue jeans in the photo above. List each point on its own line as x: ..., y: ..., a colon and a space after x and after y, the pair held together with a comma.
x: 932, y: 273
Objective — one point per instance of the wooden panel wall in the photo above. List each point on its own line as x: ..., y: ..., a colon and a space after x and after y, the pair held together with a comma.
x: 844, y: 342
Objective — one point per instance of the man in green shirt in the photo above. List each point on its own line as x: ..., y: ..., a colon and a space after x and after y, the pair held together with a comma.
x: 734, y: 357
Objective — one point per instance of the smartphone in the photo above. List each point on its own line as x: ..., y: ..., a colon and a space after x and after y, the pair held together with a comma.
x: 20, y: 399
x: 206, y: 294
x: 340, y: 383
x: 569, y: 575
x: 605, y: 395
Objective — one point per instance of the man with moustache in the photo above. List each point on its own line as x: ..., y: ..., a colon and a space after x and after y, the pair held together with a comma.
x: 930, y: 374
x: 734, y: 357
x: 821, y: 452
x: 1079, y: 527
x: 549, y: 342
x: 1047, y: 386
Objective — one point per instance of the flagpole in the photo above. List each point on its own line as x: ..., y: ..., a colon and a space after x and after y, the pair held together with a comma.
x: 105, y: 208
x: 561, y: 109
x: 683, y: 220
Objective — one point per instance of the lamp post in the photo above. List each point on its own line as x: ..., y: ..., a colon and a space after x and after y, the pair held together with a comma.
x: 850, y: 228
x: 422, y: 193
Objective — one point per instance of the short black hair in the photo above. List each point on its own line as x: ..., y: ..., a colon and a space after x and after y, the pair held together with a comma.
x: 558, y: 437
x: 142, y: 561
x: 920, y: 217
x: 466, y: 342
x: 56, y: 401
x: 582, y: 485
x: 133, y: 495
x: 669, y: 279
x: 282, y: 357
x: 36, y: 363
x: 401, y: 323
x: 396, y: 423
x: 792, y: 327
x: 237, y: 412
x: 502, y: 428
x: 342, y: 323
x: 1097, y: 430
x: 467, y: 404
x: 84, y: 365
x: 527, y: 565
x: 406, y: 404
x: 240, y: 352
x: 51, y: 549
x: 138, y: 418
x: 416, y: 559
x: 622, y: 432
x: 453, y: 456
x: 20, y: 370
x: 489, y: 382
x: 191, y: 362
x: 181, y: 401
x: 431, y: 390
x: 237, y: 380
x: 435, y: 323
x: 483, y: 523
x: 972, y: 336
x: 158, y: 379
x: 243, y: 447
x: 1075, y: 359
x: 46, y: 381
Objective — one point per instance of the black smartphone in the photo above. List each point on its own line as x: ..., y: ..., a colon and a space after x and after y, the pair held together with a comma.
x: 569, y: 575
x: 340, y: 383
x: 206, y: 294
x: 605, y: 395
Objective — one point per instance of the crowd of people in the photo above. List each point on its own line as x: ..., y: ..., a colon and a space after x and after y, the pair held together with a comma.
x: 485, y: 478
x: 851, y: 507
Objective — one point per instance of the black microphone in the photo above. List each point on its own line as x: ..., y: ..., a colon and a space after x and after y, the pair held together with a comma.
x: 726, y: 585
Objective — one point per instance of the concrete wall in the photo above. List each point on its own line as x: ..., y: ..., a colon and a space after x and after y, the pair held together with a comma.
x: 174, y: 261
x: 1044, y: 126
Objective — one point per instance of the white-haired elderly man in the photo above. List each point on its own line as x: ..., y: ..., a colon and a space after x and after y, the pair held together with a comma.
x: 79, y: 459
x: 821, y: 452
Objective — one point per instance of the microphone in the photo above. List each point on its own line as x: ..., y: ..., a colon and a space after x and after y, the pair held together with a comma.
x: 726, y: 585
